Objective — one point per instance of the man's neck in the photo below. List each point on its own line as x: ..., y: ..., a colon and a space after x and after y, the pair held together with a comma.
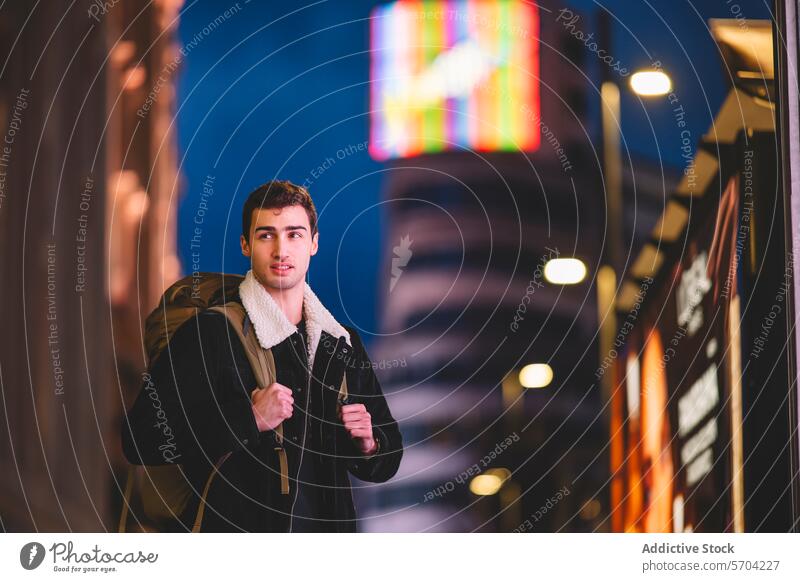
x: 290, y: 301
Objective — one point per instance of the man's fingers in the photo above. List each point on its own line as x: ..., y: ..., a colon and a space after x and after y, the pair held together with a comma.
x: 357, y: 420
x: 361, y: 433
x: 357, y: 425
x: 351, y: 417
x: 360, y: 414
x: 352, y: 427
x: 353, y: 408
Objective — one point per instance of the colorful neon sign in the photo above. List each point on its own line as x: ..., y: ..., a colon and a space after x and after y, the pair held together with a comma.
x: 454, y: 74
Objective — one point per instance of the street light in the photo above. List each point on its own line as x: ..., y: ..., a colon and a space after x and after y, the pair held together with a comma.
x: 489, y: 482
x: 644, y: 83
x: 564, y: 271
x: 651, y: 83
x: 536, y: 375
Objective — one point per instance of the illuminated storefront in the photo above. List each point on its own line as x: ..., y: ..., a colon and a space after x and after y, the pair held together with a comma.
x: 701, y: 415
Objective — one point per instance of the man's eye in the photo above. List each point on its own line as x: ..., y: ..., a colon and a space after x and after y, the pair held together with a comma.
x: 296, y: 235
x: 265, y: 235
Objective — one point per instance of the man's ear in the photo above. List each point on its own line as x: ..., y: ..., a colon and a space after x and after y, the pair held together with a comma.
x: 315, y: 243
x: 245, y: 246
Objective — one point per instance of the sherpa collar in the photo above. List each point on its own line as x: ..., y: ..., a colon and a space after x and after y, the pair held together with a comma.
x: 272, y: 326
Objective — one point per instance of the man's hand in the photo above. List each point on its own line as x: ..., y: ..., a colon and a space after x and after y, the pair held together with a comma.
x: 358, y: 424
x: 272, y: 405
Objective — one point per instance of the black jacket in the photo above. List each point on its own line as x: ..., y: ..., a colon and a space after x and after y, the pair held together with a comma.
x: 197, y: 409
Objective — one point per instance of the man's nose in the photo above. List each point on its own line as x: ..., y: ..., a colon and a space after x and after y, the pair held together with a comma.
x: 277, y: 249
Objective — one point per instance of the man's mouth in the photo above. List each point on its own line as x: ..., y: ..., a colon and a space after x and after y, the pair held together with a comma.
x: 281, y: 267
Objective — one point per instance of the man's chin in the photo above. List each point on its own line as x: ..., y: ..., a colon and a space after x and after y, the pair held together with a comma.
x: 279, y: 283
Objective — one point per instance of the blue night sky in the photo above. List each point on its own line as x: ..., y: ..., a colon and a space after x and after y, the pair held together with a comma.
x: 268, y: 94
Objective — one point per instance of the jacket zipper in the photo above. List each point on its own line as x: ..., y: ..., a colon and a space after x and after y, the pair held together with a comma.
x: 305, y: 431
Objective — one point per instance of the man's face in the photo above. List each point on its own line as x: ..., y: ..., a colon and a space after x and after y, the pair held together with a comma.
x: 280, y: 246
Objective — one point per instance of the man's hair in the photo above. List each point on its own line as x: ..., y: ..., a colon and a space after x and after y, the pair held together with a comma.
x: 278, y: 194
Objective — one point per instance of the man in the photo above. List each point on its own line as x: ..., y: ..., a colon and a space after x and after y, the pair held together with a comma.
x: 212, y: 406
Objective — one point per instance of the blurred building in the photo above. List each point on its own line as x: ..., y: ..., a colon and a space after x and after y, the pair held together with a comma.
x: 482, y: 111
x: 88, y: 243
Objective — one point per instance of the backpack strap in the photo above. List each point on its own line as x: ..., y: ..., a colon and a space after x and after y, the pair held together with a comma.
x: 198, y: 520
x: 343, y: 388
x: 343, y: 395
x: 126, y: 500
x: 263, y: 364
